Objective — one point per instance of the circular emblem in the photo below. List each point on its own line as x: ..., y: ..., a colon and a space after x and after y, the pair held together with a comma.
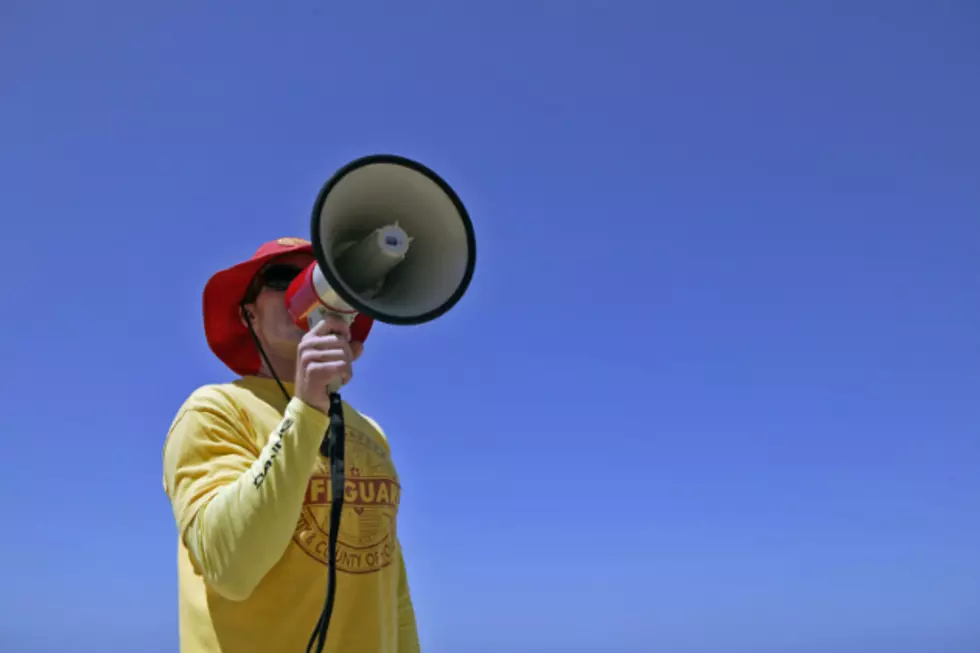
x: 366, y: 542
x: 292, y: 242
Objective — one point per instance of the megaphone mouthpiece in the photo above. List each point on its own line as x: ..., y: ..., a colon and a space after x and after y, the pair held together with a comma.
x: 310, y: 298
x: 364, y: 265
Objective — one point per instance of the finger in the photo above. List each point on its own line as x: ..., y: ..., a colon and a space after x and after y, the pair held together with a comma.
x: 321, y: 367
x: 326, y: 372
x: 326, y: 343
x: 326, y: 355
x: 332, y: 324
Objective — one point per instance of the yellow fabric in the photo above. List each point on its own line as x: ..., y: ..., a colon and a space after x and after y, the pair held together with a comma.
x: 251, y: 499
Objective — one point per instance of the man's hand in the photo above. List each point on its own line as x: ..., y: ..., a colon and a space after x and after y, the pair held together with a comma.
x: 324, y: 358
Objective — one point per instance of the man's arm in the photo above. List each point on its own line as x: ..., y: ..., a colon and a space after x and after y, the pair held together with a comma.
x: 408, y: 635
x: 236, y: 508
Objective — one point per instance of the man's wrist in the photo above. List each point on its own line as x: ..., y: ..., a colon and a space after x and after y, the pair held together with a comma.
x: 306, y: 417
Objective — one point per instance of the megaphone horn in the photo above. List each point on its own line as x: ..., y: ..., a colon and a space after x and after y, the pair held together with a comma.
x: 392, y: 241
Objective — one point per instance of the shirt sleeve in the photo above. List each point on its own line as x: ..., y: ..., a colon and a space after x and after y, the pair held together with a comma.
x: 408, y: 636
x: 236, y: 506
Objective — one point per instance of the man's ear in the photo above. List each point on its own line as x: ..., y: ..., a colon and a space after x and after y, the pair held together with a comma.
x: 249, y: 309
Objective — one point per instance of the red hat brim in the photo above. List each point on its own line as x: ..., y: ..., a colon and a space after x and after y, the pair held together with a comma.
x: 227, y: 336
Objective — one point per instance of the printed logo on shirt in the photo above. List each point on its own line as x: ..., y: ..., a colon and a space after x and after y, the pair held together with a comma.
x: 366, y: 542
x: 273, y: 453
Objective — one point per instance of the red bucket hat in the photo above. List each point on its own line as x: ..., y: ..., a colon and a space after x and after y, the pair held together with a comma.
x: 227, y: 337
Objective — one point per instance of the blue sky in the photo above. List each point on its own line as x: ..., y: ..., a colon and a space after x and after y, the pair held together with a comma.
x: 714, y: 387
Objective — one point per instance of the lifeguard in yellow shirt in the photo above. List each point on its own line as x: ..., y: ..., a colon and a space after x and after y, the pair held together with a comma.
x: 251, y: 492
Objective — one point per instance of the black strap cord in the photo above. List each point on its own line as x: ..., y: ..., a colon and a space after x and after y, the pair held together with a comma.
x: 331, y: 447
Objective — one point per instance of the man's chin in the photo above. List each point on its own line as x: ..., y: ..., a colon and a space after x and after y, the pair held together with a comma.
x: 287, y: 346
x: 295, y: 335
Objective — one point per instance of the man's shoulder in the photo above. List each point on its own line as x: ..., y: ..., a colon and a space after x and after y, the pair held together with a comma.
x: 211, y: 397
x: 370, y: 422
x: 374, y: 424
x: 222, y: 406
x: 209, y: 419
x: 212, y: 410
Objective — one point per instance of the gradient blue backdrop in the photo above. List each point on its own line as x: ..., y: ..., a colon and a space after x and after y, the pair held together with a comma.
x: 714, y: 388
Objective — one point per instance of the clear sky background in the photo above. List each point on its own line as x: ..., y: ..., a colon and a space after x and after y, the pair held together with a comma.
x: 714, y: 388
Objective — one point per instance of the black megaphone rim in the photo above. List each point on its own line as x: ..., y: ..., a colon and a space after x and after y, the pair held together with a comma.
x: 341, y: 289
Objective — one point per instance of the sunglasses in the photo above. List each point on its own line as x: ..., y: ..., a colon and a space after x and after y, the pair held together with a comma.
x: 279, y: 276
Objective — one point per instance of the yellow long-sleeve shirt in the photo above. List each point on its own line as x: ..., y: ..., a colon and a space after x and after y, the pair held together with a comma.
x: 251, y: 498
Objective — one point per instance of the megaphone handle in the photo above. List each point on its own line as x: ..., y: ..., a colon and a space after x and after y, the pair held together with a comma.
x: 316, y: 317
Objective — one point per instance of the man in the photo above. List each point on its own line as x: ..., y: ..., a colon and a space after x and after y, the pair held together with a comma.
x: 250, y: 490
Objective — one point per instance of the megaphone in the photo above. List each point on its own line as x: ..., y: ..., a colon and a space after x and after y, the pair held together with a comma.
x: 393, y: 243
